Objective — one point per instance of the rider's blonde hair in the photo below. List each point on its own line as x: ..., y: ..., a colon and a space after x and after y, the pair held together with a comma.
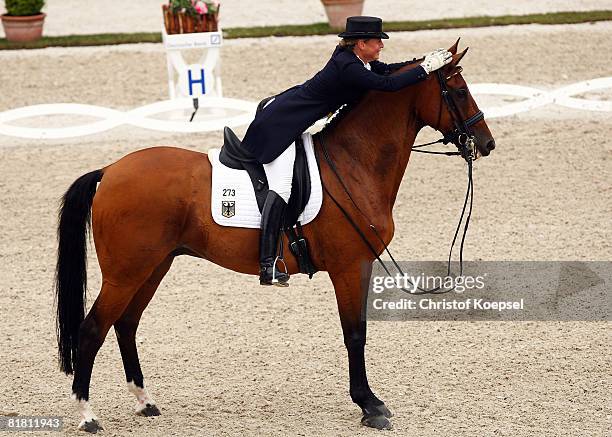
x: 348, y: 43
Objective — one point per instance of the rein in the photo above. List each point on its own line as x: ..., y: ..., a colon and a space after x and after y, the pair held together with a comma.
x: 463, y: 138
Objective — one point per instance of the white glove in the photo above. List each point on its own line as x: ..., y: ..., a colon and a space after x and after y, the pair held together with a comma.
x: 435, y: 51
x: 436, y: 60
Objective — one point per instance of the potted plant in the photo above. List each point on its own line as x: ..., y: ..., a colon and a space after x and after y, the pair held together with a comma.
x: 189, y: 16
x: 339, y: 10
x: 23, y: 20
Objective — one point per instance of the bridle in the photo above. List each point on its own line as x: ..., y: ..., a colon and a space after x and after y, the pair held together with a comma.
x: 462, y: 137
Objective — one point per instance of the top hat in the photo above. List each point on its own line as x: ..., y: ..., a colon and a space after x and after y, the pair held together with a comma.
x: 363, y: 28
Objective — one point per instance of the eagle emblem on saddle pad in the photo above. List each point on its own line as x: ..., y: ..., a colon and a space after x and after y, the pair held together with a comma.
x: 228, y: 209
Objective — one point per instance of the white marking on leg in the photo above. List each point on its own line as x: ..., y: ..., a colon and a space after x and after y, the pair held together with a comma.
x: 142, y: 396
x: 85, y: 411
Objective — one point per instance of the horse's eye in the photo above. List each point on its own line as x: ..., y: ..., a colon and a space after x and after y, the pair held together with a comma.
x: 462, y: 93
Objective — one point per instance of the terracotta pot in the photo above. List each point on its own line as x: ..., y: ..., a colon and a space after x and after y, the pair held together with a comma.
x: 23, y: 29
x: 339, y: 10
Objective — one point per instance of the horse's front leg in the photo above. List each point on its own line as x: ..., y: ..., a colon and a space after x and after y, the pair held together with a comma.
x: 350, y: 291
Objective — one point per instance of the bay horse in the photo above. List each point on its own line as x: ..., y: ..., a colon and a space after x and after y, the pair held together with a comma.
x: 155, y: 204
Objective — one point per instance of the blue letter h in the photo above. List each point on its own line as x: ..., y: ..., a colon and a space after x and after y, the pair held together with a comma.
x: 192, y: 81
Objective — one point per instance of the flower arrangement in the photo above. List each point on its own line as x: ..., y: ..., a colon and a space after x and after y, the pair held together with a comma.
x: 189, y: 16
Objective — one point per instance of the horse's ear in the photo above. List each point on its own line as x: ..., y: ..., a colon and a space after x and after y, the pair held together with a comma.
x: 457, y: 58
x: 453, y: 49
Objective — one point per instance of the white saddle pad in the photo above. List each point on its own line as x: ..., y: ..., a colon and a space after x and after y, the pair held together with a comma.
x: 233, y: 200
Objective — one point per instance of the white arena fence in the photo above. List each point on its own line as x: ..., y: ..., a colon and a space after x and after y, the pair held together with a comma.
x: 244, y: 111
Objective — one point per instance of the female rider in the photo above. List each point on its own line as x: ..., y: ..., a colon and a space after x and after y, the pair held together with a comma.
x: 352, y: 70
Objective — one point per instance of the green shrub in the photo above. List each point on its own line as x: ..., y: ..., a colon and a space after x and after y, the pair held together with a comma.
x: 24, y: 7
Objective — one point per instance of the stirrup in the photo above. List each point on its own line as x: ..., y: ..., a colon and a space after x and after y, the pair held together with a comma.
x: 267, y: 280
x: 276, y: 281
x: 270, y: 278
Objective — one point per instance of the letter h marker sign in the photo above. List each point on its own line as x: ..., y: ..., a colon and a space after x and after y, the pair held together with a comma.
x: 193, y: 81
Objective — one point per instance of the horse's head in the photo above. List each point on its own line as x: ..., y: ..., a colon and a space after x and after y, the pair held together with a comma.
x: 449, y: 107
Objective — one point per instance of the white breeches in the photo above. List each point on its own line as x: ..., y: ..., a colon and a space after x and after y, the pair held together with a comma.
x: 280, y: 173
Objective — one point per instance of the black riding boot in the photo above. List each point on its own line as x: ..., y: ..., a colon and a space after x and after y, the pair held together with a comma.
x: 271, y: 222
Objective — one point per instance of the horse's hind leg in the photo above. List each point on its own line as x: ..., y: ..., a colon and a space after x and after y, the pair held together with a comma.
x: 108, y: 307
x: 349, y: 289
x: 126, y: 327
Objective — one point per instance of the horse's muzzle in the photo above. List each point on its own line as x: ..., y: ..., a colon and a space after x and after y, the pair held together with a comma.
x: 485, y: 146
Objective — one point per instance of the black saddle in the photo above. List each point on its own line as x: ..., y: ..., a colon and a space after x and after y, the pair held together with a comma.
x: 233, y: 155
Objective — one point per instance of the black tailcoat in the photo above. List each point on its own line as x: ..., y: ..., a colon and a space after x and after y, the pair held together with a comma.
x: 344, y: 79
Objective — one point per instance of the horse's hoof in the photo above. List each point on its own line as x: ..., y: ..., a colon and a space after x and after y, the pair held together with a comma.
x: 377, y: 422
x: 91, y: 426
x: 384, y: 411
x: 376, y: 410
x: 149, y: 411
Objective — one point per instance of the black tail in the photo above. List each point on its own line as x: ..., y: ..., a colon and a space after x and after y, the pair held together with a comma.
x: 71, y: 270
